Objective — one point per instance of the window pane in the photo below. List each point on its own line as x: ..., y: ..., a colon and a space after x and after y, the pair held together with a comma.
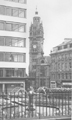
x: 9, y: 72
x: 15, y: 57
x: 2, y: 10
x: 24, y: 27
x: 24, y: 57
x: 15, y: 27
x: 15, y: 0
x: 1, y: 25
x: 24, y: 42
x: 8, y: 11
x: 21, y: 28
x: 8, y: 41
x: 24, y: 13
x: 21, y: 1
x: 1, y: 72
x: 20, y: 58
x: 21, y: 13
x: 25, y: 1
x: 20, y: 43
x: 1, y: 41
x: 8, y: 26
x: 15, y: 12
x: 14, y: 42
x: 7, y: 57
x: 1, y: 56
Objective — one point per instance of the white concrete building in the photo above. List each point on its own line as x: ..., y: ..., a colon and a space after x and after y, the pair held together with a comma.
x: 13, y: 24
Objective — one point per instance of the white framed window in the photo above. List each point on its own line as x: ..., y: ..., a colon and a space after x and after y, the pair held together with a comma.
x: 8, y: 26
x: 24, y: 42
x: 15, y: 12
x: 15, y: 27
x: 1, y: 25
x: 2, y: 10
x: 8, y: 11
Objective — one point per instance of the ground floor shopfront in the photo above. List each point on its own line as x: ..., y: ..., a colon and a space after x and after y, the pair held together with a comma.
x: 7, y: 84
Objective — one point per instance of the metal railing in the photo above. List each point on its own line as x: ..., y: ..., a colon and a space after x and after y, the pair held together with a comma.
x: 36, y: 105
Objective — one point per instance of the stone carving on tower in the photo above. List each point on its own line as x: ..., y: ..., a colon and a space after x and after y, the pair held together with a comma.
x: 36, y: 39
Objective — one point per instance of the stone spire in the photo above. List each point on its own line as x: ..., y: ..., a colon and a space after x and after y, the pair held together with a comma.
x: 36, y: 12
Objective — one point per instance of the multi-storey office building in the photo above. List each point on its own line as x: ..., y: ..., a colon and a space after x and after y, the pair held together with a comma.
x: 13, y: 22
x: 61, y: 63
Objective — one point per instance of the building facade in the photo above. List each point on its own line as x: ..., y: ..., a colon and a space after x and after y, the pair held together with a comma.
x: 61, y: 64
x: 13, y: 24
x: 36, y: 39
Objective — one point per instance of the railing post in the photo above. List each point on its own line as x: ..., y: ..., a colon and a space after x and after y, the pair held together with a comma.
x: 39, y: 105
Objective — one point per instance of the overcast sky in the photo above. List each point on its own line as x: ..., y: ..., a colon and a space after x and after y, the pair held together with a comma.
x: 56, y: 16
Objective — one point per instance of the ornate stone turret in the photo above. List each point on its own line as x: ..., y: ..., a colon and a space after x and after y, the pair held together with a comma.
x: 36, y: 29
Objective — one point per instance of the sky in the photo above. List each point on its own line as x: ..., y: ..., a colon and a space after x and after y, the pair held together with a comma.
x: 56, y: 16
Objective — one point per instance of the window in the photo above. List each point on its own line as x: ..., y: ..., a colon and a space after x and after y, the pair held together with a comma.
x: 15, y: 27
x: 24, y: 57
x: 70, y: 65
x: 20, y: 58
x: 1, y: 56
x: 21, y: 1
x: 8, y: 26
x: 8, y: 11
x: 59, y: 47
x: 21, y: 13
x: 15, y: 57
x: 21, y: 28
x: 9, y: 72
x: 15, y: 0
x: 58, y: 76
x: 1, y: 25
x: 66, y: 76
x: 8, y: 41
x: 1, y: 72
x: 25, y: 1
x: 7, y: 56
x: 24, y: 42
x: 62, y: 75
x: 70, y: 75
x: 2, y: 10
x: 20, y: 43
x: 25, y: 13
x: 70, y: 45
x: 14, y: 42
x: 24, y: 27
x: 1, y: 41
x: 15, y: 12
x: 65, y: 46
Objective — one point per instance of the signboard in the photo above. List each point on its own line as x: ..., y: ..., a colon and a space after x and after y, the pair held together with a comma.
x: 53, y: 84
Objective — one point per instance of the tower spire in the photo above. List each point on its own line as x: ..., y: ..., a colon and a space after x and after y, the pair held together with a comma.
x: 36, y: 11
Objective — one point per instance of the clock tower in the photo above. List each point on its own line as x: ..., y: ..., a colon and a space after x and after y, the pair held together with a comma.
x: 36, y: 39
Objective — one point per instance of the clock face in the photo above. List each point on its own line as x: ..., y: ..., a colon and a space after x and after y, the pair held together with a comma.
x: 34, y: 46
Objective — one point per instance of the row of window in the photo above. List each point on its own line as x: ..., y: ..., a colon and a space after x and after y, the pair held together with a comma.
x: 13, y: 57
x: 12, y: 72
x: 14, y: 42
x: 16, y: 12
x: 62, y: 76
x: 61, y: 66
x: 9, y: 26
x: 20, y: 1
x: 65, y: 46
x: 61, y: 57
